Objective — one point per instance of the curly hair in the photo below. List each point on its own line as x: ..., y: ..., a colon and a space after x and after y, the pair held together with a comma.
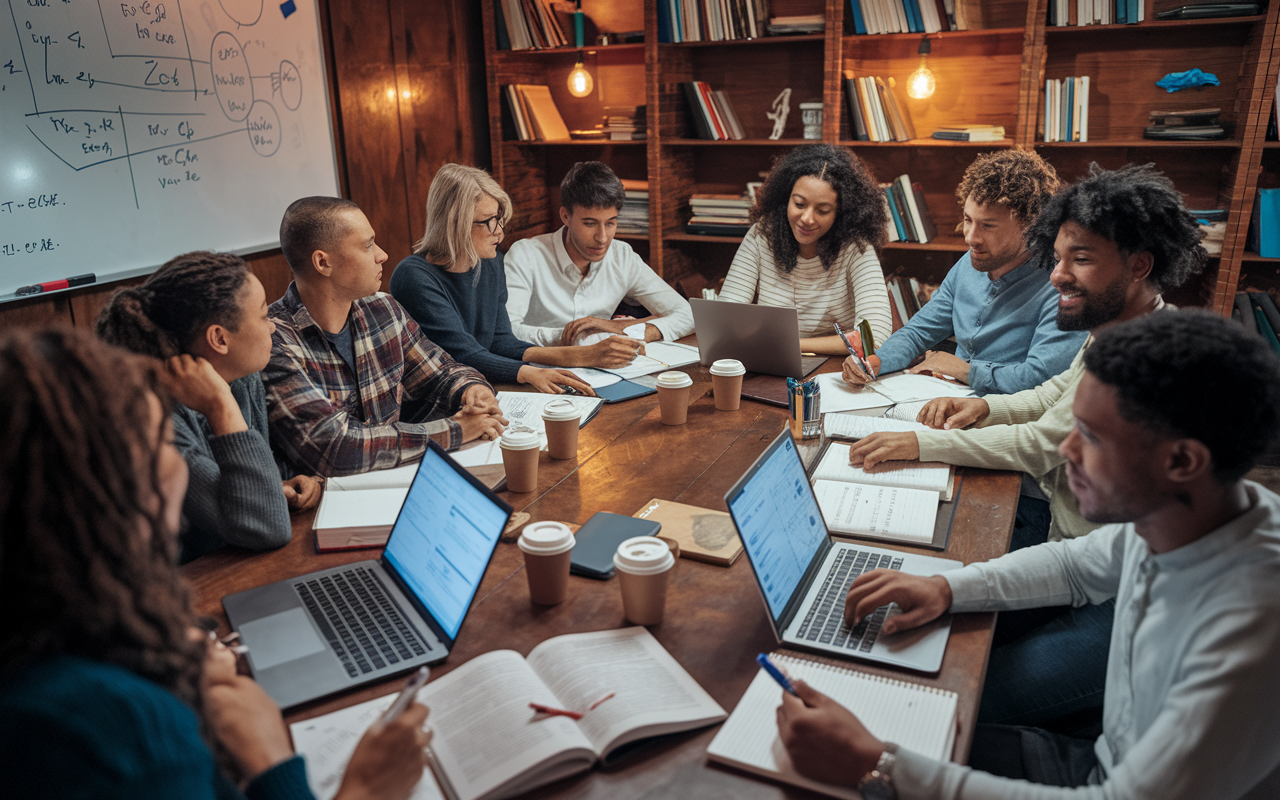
x: 1158, y: 363
x: 1138, y: 209
x: 1019, y: 180
x: 861, y: 215
x: 169, y: 313
x: 87, y: 567
x: 310, y: 224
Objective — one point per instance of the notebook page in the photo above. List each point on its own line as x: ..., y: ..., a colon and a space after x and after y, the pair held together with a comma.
x: 906, y: 412
x: 520, y: 408
x: 365, y: 509
x: 907, y: 388
x: 835, y: 466
x: 659, y: 356
x: 839, y: 396
x: 858, y: 426
x: 906, y: 515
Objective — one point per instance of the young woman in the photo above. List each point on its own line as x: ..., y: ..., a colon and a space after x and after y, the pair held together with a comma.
x: 454, y: 285
x: 819, y: 219
x: 107, y: 688
x: 205, y: 315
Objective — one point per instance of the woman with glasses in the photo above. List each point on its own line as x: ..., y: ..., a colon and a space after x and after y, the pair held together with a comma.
x: 455, y: 287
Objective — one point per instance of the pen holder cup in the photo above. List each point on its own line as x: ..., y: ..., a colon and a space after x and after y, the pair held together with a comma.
x: 804, y: 408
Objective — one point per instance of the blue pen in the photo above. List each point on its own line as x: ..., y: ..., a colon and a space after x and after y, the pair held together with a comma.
x: 774, y: 672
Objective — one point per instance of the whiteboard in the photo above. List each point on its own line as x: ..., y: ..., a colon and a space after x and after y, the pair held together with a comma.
x: 133, y: 131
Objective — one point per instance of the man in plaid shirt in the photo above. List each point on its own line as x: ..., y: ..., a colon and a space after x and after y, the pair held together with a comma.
x: 345, y: 358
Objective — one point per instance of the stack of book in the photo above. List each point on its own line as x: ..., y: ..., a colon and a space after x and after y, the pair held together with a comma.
x: 712, y: 113
x: 1096, y: 12
x: 1257, y: 312
x: 910, y: 220
x: 711, y: 20
x: 1213, y: 228
x: 719, y: 214
x: 898, y: 16
x: 534, y: 24
x: 534, y: 113
x: 1066, y: 109
x: 971, y: 133
x: 791, y: 26
x: 876, y: 114
x: 624, y: 124
x: 634, y: 217
x: 906, y: 295
x: 1190, y: 125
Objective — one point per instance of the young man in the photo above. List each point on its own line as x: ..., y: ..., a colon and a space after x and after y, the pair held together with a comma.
x: 345, y: 357
x: 1194, y: 568
x: 995, y: 301
x: 564, y: 285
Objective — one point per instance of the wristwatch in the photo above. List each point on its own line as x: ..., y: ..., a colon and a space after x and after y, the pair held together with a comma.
x: 878, y: 783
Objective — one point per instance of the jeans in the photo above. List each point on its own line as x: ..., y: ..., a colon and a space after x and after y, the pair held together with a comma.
x: 1034, y: 755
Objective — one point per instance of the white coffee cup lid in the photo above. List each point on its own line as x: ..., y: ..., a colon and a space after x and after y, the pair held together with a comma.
x: 728, y: 367
x: 546, y: 538
x: 518, y: 438
x: 674, y: 380
x: 558, y: 410
x: 643, y: 555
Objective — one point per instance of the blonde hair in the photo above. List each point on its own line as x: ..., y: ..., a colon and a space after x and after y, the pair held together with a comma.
x: 455, y: 192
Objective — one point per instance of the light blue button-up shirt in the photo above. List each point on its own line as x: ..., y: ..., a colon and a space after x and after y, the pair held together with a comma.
x: 1007, y: 329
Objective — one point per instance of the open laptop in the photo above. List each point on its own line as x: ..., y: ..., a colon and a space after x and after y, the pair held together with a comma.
x: 805, y: 576
x: 766, y: 339
x: 340, y: 628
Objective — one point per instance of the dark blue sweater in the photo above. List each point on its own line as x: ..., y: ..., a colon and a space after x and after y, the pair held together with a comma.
x: 465, y: 316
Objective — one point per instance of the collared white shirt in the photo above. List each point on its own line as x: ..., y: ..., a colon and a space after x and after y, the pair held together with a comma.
x: 545, y: 290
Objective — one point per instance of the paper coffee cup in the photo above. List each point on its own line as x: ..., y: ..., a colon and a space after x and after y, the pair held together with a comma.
x: 726, y: 383
x: 520, y: 447
x: 560, y: 417
x: 547, y: 548
x: 643, y: 564
x: 673, y: 397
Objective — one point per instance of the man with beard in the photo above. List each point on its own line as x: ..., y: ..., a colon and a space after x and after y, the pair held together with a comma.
x: 1119, y: 239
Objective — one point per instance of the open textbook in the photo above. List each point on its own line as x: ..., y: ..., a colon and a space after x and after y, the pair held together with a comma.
x: 488, y: 743
x: 897, y: 504
x: 916, y: 717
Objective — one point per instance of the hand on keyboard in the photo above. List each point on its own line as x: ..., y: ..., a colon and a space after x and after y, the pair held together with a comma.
x: 921, y: 599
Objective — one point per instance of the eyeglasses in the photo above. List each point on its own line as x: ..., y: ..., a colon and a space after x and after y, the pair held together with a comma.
x: 493, y: 224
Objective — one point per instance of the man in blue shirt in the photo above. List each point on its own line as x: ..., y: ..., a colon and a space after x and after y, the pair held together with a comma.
x: 998, y: 305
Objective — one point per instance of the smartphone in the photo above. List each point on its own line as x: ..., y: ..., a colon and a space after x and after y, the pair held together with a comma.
x: 598, y: 540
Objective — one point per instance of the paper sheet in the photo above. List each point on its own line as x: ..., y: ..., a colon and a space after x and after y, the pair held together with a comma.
x: 909, y: 475
x: 906, y: 515
x: 839, y: 396
x: 907, y: 388
x: 398, y: 478
x: 658, y: 357
x: 635, y: 331
x: 858, y: 426
x: 905, y: 412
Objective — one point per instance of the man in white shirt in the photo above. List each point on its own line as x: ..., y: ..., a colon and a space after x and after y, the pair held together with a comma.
x: 565, y: 285
x: 1174, y: 409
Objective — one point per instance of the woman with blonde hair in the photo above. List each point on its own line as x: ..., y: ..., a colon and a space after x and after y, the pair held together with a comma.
x: 455, y: 286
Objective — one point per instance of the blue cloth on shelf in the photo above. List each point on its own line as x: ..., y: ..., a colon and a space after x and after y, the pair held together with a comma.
x: 1176, y: 81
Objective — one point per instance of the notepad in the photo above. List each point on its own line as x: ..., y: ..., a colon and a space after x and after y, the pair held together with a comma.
x: 916, y: 717
x: 907, y: 388
x: 839, y: 396
x: 935, y: 477
x: 858, y: 426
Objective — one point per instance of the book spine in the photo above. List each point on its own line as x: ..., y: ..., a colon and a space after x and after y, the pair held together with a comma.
x: 696, y: 111
x: 859, y: 24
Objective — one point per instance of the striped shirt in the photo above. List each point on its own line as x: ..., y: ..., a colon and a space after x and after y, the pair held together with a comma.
x: 330, y: 422
x: 852, y: 290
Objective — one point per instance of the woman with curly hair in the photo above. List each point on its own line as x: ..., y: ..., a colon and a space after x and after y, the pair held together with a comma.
x: 107, y: 687
x: 819, y: 219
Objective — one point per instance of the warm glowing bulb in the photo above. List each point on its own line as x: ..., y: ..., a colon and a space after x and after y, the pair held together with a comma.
x: 405, y: 94
x: 391, y: 94
x: 580, y: 81
x: 921, y: 84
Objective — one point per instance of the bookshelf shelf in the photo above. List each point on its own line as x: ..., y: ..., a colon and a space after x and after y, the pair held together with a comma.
x: 503, y: 56
x: 940, y: 36
x: 738, y: 142
x: 1003, y: 143
x: 1152, y: 26
x: 1219, y: 144
x: 764, y: 40
x: 1254, y: 258
x: 576, y: 143
x: 1271, y: 145
x: 949, y: 244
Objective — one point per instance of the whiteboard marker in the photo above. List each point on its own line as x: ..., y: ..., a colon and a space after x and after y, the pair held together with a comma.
x: 52, y: 286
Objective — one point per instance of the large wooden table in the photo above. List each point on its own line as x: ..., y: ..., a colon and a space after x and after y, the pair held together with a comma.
x: 715, y: 621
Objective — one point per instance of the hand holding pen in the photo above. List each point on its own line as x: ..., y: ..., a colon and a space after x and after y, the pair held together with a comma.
x: 857, y: 370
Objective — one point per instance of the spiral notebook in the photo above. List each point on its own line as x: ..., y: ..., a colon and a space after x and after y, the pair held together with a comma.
x: 916, y: 717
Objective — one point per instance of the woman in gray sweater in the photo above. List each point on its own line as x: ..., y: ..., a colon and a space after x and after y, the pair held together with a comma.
x: 205, y: 315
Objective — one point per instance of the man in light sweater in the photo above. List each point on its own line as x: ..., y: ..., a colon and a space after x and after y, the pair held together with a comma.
x: 564, y: 286
x: 1194, y: 566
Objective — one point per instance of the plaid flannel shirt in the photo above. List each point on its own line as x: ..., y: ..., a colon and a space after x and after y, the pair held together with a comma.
x: 329, y: 422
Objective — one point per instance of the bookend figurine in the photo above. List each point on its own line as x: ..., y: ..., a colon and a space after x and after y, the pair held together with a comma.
x: 781, y: 108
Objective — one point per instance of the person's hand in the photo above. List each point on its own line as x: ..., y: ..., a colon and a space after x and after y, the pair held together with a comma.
x: 248, y: 723
x: 922, y: 599
x: 616, y: 351
x: 825, y: 741
x: 388, y: 759
x: 953, y: 413
x: 479, y: 399
x: 302, y: 492
x: 194, y: 382
x: 219, y: 660
x: 883, y: 446
x: 585, y: 325
x: 943, y: 363
x: 549, y: 381
x: 855, y: 375
x: 480, y: 426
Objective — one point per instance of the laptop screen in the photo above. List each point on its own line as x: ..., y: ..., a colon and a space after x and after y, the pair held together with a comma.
x: 779, y: 520
x: 443, y: 538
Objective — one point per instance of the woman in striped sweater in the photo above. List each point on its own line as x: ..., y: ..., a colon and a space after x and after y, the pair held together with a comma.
x: 819, y: 220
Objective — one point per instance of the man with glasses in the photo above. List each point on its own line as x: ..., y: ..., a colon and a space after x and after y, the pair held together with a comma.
x: 565, y: 286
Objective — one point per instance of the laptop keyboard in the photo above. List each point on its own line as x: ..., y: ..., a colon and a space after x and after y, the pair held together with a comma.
x: 825, y: 624
x: 363, y: 625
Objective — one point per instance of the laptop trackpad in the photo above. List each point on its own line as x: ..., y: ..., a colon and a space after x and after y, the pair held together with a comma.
x: 280, y: 638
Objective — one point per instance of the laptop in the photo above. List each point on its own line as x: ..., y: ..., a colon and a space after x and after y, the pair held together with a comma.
x: 766, y: 339
x: 344, y: 627
x: 804, y: 575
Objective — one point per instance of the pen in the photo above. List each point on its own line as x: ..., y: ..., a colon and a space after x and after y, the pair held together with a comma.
x: 407, y: 695
x: 865, y: 364
x: 53, y: 286
x: 774, y: 672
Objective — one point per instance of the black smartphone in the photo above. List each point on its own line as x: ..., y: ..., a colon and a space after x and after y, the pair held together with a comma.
x: 598, y: 540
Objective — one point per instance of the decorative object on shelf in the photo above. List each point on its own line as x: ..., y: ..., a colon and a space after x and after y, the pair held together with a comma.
x: 580, y: 81
x: 811, y: 116
x: 781, y: 110
x: 1177, y: 81
x: 1066, y: 109
x: 921, y: 85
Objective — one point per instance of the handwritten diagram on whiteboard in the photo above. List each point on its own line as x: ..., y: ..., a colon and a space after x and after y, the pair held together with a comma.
x: 135, y: 131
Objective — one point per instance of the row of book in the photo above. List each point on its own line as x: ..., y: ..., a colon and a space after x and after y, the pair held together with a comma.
x: 1096, y: 12
x: 1193, y: 124
x: 898, y: 16
x: 536, y: 24
x: 1257, y: 312
x: 534, y: 114
x: 712, y: 113
x: 877, y: 117
x: 907, y: 295
x: 720, y: 214
x: 711, y: 20
x: 1066, y: 109
x: 910, y: 220
x: 619, y: 124
x: 633, y: 219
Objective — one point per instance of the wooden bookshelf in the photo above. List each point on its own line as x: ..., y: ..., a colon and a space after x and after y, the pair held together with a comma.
x: 991, y: 76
